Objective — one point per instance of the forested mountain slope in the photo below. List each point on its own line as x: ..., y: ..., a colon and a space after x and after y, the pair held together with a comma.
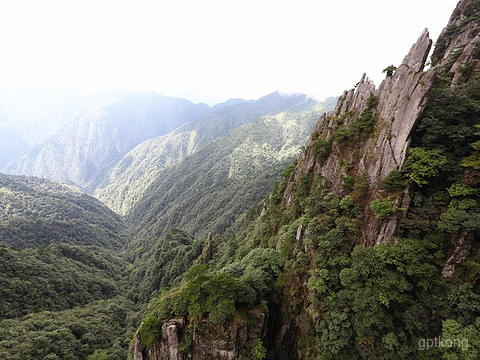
x: 100, y: 132
x: 62, y: 278
x: 369, y: 247
x: 57, y: 277
x: 94, y: 331
x: 30, y: 114
x: 131, y: 176
x: 207, y: 190
x: 36, y: 212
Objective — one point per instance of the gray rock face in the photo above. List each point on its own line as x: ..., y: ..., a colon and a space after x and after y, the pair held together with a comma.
x: 460, y: 253
x: 137, y: 348
x: 417, y: 56
x: 402, y: 97
x: 401, y: 100
x: 166, y: 347
x: 467, y: 56
x: 209, y: 341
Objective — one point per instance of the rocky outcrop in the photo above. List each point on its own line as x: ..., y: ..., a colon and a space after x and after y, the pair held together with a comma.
x: 207, y: 252
x: 206, y: 340
x: 400, y: 101
x: 455, y: 42
x: 167, y: 346
x: 460, y: 253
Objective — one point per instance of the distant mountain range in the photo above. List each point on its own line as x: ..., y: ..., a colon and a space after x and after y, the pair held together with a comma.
x: 139, y: 168
x: 267, y: 229
x: 114, y: 144
x: 207, y: 190
x: 173, y: 171
x: 100, y: 131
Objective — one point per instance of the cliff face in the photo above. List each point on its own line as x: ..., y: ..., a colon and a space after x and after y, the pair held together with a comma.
x: 368, y: 136
x: 457, y: 44
x: 399, y: 102
x: 400, y: 99
x: 205, y: 340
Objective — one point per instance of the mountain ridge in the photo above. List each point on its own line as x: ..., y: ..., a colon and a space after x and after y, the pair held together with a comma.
x: 370, y: 243
x: 100, y: 132
x: 37, y: 212
x: 123, y: 186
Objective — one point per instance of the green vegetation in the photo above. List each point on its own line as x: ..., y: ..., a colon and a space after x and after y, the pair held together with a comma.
x: 35, y: 211
x: 95, y: 331
x: 473, y: 160
x: 389, y: 70
x: 360, y: 127
x: 394, y: 182
x: 56, y: 277
x: 423, y: 164
x: 61, y: 276
x: 160, y: 263
x: 322, y: 149
x: 258, y: 351
x: 383, y: 208
x: 218, y: 293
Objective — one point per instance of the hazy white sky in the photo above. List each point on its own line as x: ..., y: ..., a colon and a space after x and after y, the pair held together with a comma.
x: 210, y: 50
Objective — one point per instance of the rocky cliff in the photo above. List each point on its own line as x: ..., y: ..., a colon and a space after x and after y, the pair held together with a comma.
x: 180, y: 339
x: 396, y: 109
x: 375, y: 218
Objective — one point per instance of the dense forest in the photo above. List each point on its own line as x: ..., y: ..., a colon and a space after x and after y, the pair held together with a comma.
x: 62, y: 279
x: 35, y: 212
x: 277, y: 229
x: 76, y: 277
x: 303, y: 262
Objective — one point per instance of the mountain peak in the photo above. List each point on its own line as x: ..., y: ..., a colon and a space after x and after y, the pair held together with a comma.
x: 230, y: 102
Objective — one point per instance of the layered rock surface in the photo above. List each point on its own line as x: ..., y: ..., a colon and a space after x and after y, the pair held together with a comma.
x: 208, y: 340
x: 401, y: 99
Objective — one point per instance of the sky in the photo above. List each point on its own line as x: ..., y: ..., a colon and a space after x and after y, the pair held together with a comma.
x: 210, y: 50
